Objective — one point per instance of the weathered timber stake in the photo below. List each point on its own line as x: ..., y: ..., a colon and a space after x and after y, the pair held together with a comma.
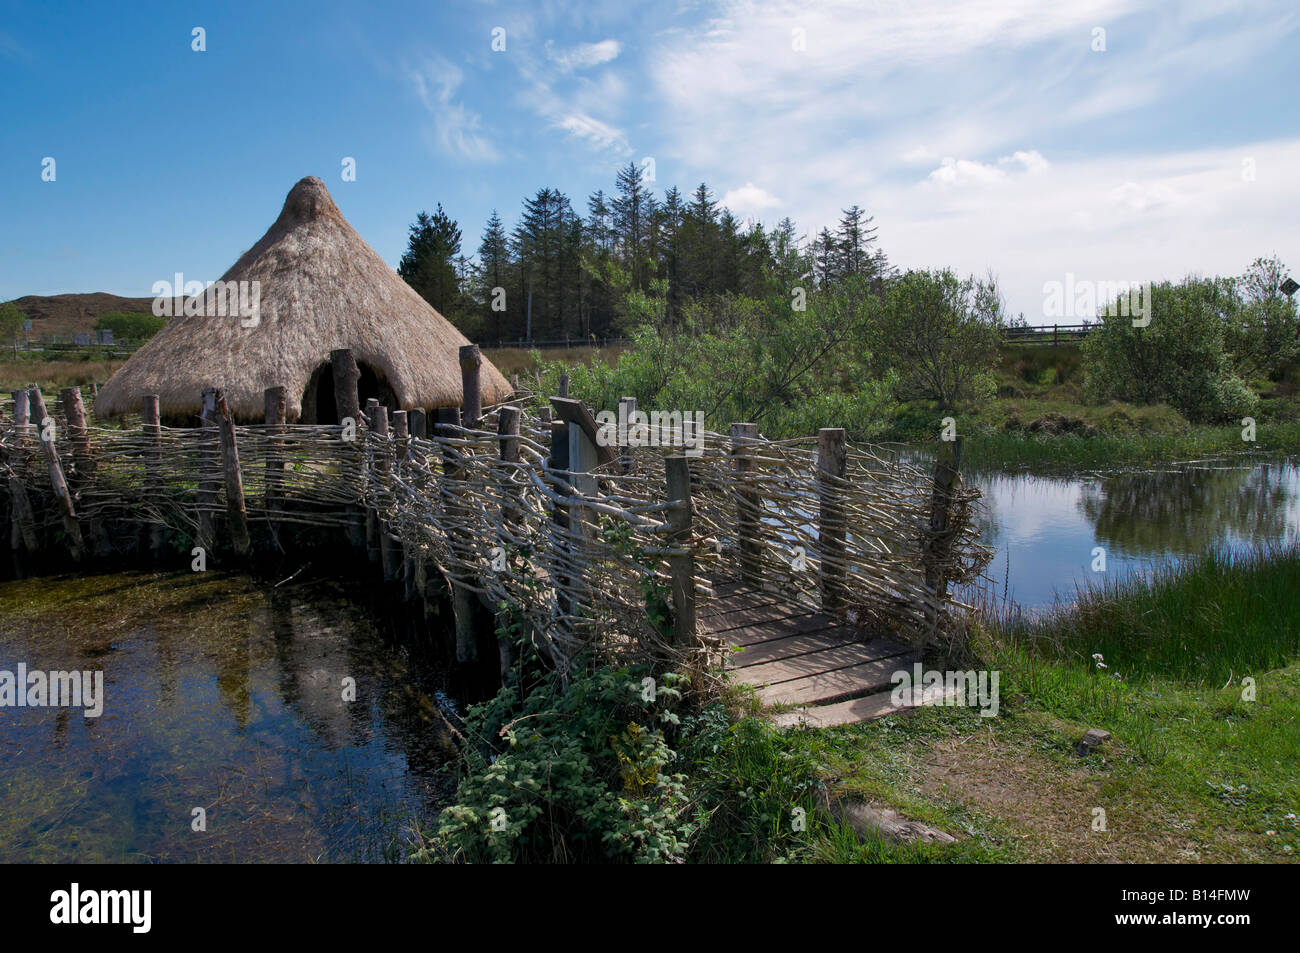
x: 508, y: 432
x: 235, y: 510
x: 560, y: 514
x: 832, y: 523
x: 346, y: 378
x: 151, y: 426
x: 24, y: 524
x: 748, y: 503
x: 419, y: 422
x: 275, y: 407
x: 681, y: 566
x: 564, y: 385
x: 48, y: 437
x: 388, y: 551
x: 463, y: 601
x: 938, y: 548
x: 627, y: 435
x: 78, y: 437
x: 471, y: 362
x: 373, y: 544
x: 209, y: 468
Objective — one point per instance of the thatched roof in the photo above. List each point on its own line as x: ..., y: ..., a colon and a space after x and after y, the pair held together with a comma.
x: 322, y: 287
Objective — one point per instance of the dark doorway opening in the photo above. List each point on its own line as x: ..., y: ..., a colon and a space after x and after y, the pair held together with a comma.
x: 318, y: 406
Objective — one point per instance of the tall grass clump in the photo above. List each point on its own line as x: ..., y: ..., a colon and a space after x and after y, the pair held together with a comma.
x: 1202, y: 622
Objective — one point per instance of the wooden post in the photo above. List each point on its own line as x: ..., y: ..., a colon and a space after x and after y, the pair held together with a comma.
x: 275, y: 408
x: 151, y: 426
x: 564, y: 385
x: 419, y: 423
x: 78, y: 437
x: 682, y: 565
x: 626, y: 408
x: 48, y: 437
x: 463, y: 602
x: 938, y: 547
x: 832, y: 466
x: 209, y: 468
x: 346, y: 378
x: 560, y: 515
x: 235, y: 510
x: 748, y: 503
x: 384, y: 477
x: 23, y: 532
x: 347, y: 407
x: 508, y: 432
x: 471, y: 361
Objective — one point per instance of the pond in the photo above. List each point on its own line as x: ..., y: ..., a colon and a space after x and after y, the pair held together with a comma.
x: 220, y: 693
x: 1046, y: 529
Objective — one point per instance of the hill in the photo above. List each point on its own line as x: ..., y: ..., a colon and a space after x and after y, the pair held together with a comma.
x: 68, y: 314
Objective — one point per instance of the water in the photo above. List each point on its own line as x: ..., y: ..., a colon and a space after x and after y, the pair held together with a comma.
x: 224, y: 694
x: 1045, y: 529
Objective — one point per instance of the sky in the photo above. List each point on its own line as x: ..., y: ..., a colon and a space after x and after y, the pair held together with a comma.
x: 1107, y: 140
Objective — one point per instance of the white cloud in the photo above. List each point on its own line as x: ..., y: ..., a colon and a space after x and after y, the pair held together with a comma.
x: 594, y: 131
x: 455, y: 127
x: 750, y: 200
x: 584, y: 55
x: 967, y: 172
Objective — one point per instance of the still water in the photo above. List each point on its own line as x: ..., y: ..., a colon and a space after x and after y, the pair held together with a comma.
x: 222, y: 694
x: 1046, y: 529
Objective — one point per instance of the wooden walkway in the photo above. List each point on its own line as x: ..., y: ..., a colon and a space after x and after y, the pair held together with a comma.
x: 820, y: 671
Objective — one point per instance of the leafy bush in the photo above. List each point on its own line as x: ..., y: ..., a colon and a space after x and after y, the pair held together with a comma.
x: 603, y: 770
x: 1179, y: 357
x: 135, y: 326
x: 742, y: 359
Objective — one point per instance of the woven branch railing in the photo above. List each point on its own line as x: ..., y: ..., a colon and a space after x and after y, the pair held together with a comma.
x: 580, y: 555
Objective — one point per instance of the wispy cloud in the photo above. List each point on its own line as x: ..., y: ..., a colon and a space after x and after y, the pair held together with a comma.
x: 455, y: 126
x: 584, y: 55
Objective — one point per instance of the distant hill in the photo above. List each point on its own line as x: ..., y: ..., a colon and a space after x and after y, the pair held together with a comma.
x: 69, y: 314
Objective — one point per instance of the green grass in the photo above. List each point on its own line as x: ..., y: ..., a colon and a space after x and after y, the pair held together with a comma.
x: 1203, y: 715
x: 1213, y: 617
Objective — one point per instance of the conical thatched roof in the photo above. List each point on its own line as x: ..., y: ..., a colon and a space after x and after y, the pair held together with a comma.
x: 322, y: 287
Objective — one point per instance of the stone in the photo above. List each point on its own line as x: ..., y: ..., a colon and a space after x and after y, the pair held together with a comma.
x: 1092, y: 738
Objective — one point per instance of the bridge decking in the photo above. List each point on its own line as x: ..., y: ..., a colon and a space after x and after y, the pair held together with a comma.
x: 827, y: 670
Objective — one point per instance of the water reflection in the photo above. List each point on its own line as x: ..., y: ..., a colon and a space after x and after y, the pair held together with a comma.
x: 219, y: 694
x: 1046, y: 529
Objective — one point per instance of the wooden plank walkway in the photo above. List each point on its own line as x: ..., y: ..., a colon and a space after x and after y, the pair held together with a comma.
x: 824, y: 669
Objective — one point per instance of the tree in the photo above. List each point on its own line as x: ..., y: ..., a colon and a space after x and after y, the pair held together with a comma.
x: 130, y: 327
x: 429, y: 264
x: 632, y: 209
x: 1179, y: 356
x: 12, y: 321
x: 853, y: 243
x: 493, y: 270
x: 1264, y: 336
x: 940, y: 334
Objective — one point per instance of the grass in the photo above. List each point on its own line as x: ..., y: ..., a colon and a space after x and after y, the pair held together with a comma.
x: 521, y: 361
x: 53, y: 375
x: 1201, y: 763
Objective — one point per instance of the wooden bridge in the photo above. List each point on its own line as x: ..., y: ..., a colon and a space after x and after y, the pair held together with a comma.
x: 812, y: 569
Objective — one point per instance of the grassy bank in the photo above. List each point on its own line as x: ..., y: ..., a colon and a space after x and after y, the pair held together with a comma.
x: 1198, y: 685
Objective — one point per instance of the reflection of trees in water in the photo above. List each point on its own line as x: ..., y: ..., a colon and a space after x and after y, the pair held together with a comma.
x: 1189, y: 511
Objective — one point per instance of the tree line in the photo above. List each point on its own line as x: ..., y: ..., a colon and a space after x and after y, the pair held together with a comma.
x: 562, y: 274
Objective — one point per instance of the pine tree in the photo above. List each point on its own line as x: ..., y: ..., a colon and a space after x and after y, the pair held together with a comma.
x: 428, y: 264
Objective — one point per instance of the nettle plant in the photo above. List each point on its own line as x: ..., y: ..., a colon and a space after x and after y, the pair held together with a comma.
x: 576, y: 774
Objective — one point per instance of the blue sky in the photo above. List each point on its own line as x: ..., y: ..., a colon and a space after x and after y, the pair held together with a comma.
x: 982, y: 135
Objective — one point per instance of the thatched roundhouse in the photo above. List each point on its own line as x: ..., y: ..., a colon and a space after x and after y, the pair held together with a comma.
x: 321, y: 287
